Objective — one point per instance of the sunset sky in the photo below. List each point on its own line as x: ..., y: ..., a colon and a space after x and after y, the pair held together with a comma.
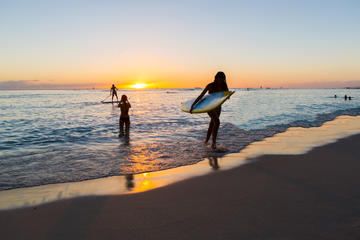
x: 179, y: 44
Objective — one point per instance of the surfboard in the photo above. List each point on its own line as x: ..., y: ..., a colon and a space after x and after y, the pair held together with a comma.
x: 110, y: 102
x: 207, y: 103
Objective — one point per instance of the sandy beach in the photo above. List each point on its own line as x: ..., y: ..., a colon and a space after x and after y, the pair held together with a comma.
x: 176, y: 120
x: 310, y: 196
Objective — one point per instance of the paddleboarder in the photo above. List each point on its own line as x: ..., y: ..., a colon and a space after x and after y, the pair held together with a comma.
x: 218, y: 85
x: 113, y: 93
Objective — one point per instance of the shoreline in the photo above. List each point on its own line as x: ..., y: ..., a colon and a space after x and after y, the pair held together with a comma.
x: 282, y: 143
x: 313, y: 195
x: 75, y: 145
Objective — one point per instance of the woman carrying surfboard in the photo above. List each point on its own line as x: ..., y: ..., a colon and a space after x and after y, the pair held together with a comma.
x: 218, y: 85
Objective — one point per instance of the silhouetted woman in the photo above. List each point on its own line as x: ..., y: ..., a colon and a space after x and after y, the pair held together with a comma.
x: 113, y: 93
x: 218, y: 85
x: 124, y: 106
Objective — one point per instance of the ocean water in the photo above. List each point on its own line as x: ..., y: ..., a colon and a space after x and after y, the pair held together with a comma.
x: 52, y: 136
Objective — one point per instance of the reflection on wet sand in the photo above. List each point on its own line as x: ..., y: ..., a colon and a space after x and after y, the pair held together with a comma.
x: 293, y: 141
x: 129, y: 181
x: 213, y: 162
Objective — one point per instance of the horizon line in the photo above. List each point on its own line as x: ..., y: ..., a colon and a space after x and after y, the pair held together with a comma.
x: 259, y: 88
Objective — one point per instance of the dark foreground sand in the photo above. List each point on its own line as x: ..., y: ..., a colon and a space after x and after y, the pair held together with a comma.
x: 311, y: 196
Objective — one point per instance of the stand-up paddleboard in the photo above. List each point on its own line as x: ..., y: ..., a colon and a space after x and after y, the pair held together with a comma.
x: 207, y: 103
x: 110, y: 102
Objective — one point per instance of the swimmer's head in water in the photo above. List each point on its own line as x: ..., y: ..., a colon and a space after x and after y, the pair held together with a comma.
x: 220, y: 77
x: 124, y: 98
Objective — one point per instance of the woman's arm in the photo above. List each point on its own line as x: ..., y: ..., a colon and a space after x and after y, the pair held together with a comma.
x: 199, y: 97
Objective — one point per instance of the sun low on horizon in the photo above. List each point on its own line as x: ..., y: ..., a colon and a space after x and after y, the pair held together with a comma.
x: 138, y: 85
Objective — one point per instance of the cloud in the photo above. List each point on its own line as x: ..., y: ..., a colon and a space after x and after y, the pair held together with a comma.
x: 18, y: 84
x: 38, y: 85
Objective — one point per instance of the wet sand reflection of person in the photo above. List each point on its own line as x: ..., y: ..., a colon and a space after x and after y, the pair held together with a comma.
x: 218, y: 85
x: 129, y: 181
x: 213, y: 162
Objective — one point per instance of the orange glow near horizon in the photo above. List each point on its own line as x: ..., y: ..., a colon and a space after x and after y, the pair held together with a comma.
x: 138, y: 85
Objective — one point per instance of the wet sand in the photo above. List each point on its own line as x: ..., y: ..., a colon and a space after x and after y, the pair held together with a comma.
x: 310, y: 196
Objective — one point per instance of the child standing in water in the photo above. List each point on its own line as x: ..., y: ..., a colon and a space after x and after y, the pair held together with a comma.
x: 124, y: 106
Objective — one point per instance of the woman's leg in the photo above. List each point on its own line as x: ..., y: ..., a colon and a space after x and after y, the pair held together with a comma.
x: 127, y: 128
x: 209, y: 131
x: 121, y: 124
x: 215, y: 118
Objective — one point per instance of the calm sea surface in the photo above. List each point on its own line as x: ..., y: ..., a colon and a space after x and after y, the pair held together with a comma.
x: 52, y: 136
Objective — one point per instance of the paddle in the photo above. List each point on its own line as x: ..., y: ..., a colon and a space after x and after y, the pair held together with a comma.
x: 105, y: 98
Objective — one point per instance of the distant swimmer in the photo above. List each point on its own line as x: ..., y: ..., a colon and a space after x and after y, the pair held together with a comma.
x: 349, y: 97
x: 218, y: 85
x: 335, y: 96
x: 113, y: 93
x: 124, y: 106
x: 345, y: 97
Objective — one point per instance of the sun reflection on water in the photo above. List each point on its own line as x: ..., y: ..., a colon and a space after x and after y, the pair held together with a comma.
x: 141, y: 159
